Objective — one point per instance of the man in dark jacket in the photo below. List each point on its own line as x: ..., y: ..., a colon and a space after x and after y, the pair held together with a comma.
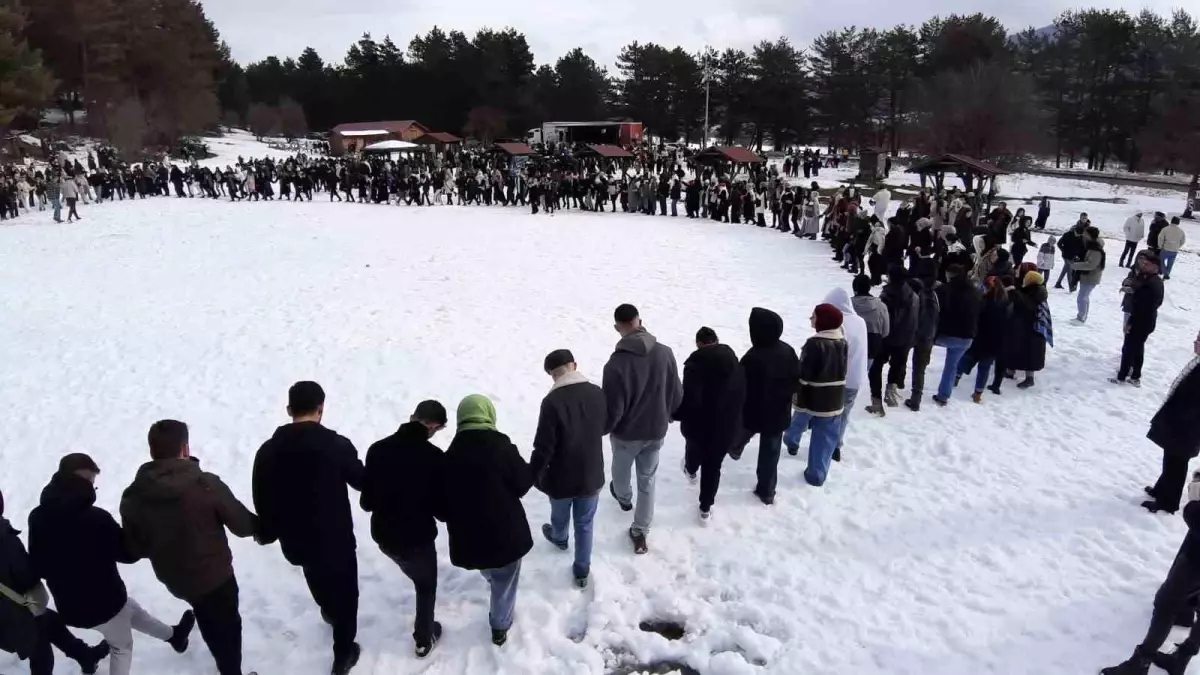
x: 904, y: 310
x: 1182, y: 584
x: 1157, y: 225
x: 959, y: 304
x: 1173, y: 429
x: 568, y: 457
x: 484, y: 478
x: 820, y: 395
x: 1144, y: 302
x: 771, y: 369
x: 1072, y: 247
x: 176, y: 515
x: 714, y: 394
x: 75, y: 546
x: 27, y: 628
x: 928, y: 315
x: 641, y: 385
x: 300, y: 479
x: 401, y: 490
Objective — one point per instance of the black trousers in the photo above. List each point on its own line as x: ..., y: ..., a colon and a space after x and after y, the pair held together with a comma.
x: 888, y: 354
x: 420, y: 565
x: 1129, y: 253
x: 1177, y: 591
x: 52, y: 632
x: 920, y: 361
x: 707, y: 461
x: 333, y: 582
x: 1168, y: 489
x: 220, y: 624
x: 1133, y: 353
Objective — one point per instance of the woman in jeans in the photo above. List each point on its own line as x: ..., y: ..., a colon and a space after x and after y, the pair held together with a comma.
x: 1090, y: 271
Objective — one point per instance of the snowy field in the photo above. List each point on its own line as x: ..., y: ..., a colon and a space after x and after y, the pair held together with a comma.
x: 1003, y: 538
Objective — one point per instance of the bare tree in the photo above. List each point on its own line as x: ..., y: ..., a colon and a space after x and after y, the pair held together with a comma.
x: 231, y: 119
x: 128, y: 129
x: 1174, y: 144
x: 263, y: 120
x: 485, y: 123
x: 986, y: 111
x: 292, y: 121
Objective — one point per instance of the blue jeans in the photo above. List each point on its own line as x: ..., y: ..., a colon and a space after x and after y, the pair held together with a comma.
x: 844, y: 419
x: 985, y: 370
x: 57, y: 204
x: 825, y: 434
x: 645, y: 455
x: 955, y: 348
x: 503, y: 582
x: 1084, y: 301
x: 1168, y: 261
x: 584, y: 511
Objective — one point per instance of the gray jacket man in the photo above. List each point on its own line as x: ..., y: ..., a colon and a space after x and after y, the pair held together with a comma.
x: 642, y: 387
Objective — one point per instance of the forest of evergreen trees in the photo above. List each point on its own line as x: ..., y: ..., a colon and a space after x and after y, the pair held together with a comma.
x: 1097, y: 88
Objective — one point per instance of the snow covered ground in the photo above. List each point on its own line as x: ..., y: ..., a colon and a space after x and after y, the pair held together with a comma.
x: 1003, y: 538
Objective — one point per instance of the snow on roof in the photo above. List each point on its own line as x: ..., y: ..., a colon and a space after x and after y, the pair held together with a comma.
x: 31, y: 140
x: 365, y: 132
x: 385, y: 146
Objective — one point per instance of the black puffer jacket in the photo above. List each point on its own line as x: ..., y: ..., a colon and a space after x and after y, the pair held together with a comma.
x: 17, y: 627
x: 771, y: 369
x: 1174, y: 428
x: 400, y: 489
x: 959, y: 314
x: 821, y: 388
x: 714, y: 394
x: 568, y: 448
x: 75, y: 546
x: 904, y: 309
x: 484, y: 480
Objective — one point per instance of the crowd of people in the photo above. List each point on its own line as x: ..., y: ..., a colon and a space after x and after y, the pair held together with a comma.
x: 943, y: 277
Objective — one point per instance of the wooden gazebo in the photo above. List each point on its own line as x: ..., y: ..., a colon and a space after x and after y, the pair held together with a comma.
x: 730, y: 155
x: 974, y: 173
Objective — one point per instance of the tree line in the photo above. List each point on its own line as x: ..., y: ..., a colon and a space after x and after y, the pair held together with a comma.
x: 1096, y: 88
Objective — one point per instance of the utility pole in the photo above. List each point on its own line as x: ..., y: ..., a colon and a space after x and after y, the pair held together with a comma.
x: 707, y: 77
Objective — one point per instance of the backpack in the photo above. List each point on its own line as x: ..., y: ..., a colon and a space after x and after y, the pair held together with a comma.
x: 928, y: 316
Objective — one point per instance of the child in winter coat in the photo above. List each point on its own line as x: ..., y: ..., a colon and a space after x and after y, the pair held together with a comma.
x: 873, y: 312
x: 1045, y: 259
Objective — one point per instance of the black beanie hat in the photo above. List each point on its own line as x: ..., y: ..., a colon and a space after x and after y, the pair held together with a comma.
x: 557, y: 359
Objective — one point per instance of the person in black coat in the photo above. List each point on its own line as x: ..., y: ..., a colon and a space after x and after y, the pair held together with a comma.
x: 1072, y: 247
x: 75, y: 546
x: 1144, y: 302
x: 299, y: 481
x: 483, y: 481
x: 771, y: 369
x: 1178, y: 591
x: 568, y: 457
x: 994, y: 321
x: 959, y: 303
x: 29, y: 630
x: 904, y: 308
x: 1174, y: 430
x: 400, y: 491
x: 714, y: 394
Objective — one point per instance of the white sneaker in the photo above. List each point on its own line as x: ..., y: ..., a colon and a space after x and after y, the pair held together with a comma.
x: 705, y: 516
x: 691, y: 477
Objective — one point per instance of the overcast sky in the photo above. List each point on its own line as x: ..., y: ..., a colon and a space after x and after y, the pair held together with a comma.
x: 256, y: 29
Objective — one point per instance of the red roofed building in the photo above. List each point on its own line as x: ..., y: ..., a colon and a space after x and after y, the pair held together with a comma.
x: 354, y: 136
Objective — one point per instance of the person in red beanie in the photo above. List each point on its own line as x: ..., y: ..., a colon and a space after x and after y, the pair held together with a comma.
x: 820, y: 392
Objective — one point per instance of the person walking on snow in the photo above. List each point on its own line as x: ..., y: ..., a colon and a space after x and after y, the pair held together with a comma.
x: 928, y: 317
x: 75, y: 547
x: 820, y: 394
x: 714, y: 394
x: 904, y: 308
x: 401, y: 482
x: 568, y: 457
x: 1173, y: 430
x: 1072, y: 246
x: 1135, y: 231
x: 1170, y: 241
x: 771, y: 368
x: 1090, y: 270
x: 1145, y: 297
x: 855, y: 329
x: 881, y: 201
x: 1045, y: 258
x: 27, y: 627
x: 299, y: 479
x: 483, y: 482
x: 642, y: 387
x: 176, y: 515
x: 958, y: 321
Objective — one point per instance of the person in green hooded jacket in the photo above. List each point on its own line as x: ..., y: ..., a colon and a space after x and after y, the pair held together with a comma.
x: 483, y: 480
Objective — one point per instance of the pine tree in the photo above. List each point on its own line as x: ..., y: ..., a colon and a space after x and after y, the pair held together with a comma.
x: 25, y: 82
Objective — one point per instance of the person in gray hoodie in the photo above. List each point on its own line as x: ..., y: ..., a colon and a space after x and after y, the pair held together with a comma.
x: 643, y: 391
x: 872, y: 311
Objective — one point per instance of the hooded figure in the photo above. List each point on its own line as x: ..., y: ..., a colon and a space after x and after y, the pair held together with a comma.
x: 854, y: 327
x: 484, y: 478
x: 714, y: 393
x: 771, y: 368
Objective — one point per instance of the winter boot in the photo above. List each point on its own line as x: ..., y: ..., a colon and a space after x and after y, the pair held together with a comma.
x: 942, y: 402
x: 344, y: 663
x: 876, y: 408
x: 977, y: 397
x: 892, y: 396
x: 914, y: 403
x: 548, y: 533
x: 423, y: 650
x: 1027, y: 383
x: 1138, y: 664
x: 499, y: 637
x: 1176, y: 662
x: 89, y: 663
x: 181, y: 632
x: 995, y: 389
x: 639, y: 542
x: 793, y: 450
x: 837, y: 454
